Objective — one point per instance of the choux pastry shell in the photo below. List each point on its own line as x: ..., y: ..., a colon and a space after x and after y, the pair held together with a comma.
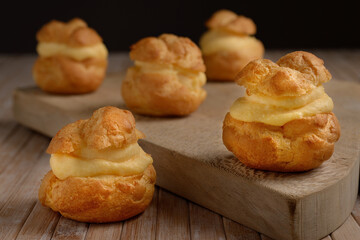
x: 228, y: 45
x: 285, y: 122
x: 99, y: 172
x: 167, y: 77
x: 72, y: 58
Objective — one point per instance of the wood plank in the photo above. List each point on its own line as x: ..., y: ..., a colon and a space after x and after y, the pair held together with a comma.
x: 205, y: 224
x: 236, y: 231
x: 345, y: 65
x: 19, y: 187
x: 335, y: 66
x: 142, y: 226
x: 6, y: 130
x: 264, y: 237
x: 18, y: 169
x: 356, y: 211
x: 40, y: 224
x: 68, y: 229
x: 15, y: 73
x: 174, y: 176
x: 327, y: 238
x: 9, y: 70
x: 275, y: 54
x: 117, y: 62
x: 6, y: 57
x: 31, y: 228
x: 333, y: 69
x: 353, y: 59
x: 104, y: 231
x: 202, y: 172
x: 350, y: 230
x: 172, y: 217
x: 14, y: 143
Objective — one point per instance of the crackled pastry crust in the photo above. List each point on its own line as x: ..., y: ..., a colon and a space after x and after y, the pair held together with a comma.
x: 223, y: 65
x: 74, y: 33
x: 104, y: 198
x: 109, y: 127
x: 294, y: 74
x: 98, y: 199
x: 230, y: 21
x: 160, y: 93
x: 168, y: 49
x: 298, y: 145
x: 63, y: 74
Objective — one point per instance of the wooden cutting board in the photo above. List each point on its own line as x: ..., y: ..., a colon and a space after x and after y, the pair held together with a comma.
x: 191, y: 160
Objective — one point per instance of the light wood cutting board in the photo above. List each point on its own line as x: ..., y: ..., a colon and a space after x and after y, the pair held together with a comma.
x: 191, y: 160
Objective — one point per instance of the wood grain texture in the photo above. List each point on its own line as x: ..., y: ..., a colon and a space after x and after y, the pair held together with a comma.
x: 264, y: 237
x: 295, y: 186
x: 236, y: 231
x: 327, y: 238
x: 350, y: 230
x: 104, y: 231
x: 40, y: 224
x: 143, y: 226
x: 356, y: 211
x: 70, y: 229
x: 205, y: 224
x: 15, y: 71
x: 18, y: 188
x: 174, y: 215
x: 192, y: 162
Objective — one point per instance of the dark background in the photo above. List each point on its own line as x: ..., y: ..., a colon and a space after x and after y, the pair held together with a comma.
x: 281, y: 24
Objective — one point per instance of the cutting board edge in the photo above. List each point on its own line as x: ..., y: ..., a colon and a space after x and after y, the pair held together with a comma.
x: 33, y: 115
x: 287, y: 232
x: 289, y: 207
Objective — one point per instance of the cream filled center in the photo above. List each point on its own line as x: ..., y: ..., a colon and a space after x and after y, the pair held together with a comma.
x: 216, y: 41
x: 89, y: 162
x: 191, y: 79
x: 48, y: 49
x: 278, y: 111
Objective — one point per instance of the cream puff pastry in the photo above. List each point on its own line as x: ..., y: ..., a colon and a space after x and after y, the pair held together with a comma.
x: 72, y: 58
x: 99, y: 173
x: 167, y: 77
x: 285, y: 122
x: 228, y: 45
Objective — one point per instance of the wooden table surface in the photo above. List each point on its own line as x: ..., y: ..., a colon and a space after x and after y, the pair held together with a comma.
x: 23, y: 162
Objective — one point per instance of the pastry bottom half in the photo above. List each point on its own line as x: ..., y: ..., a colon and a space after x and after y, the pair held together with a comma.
x: 98, y: 199
x: 157, y: 94
x: 298, y: 145
x: 64, y: 75
x: 224, y: 66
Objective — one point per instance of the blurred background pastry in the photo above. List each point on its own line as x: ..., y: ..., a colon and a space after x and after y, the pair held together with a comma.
x: 285, y: 122
x: 99, y: 173
x: 167, y: 77
x: 228, y: 45
x: 72, y: 58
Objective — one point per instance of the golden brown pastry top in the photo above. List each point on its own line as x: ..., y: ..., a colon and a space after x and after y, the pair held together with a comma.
x: 108, y: 127
x: 231, y: 22
x: 168, y: 49
x: 295, y: 74
x: 74, y: 33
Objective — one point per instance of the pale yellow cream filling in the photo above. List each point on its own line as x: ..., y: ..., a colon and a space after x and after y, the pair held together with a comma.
x: 191, y: 79
x: 90, y: 163
x: 278, y: 111
x: 216, y: 41
x: 47, y: 49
